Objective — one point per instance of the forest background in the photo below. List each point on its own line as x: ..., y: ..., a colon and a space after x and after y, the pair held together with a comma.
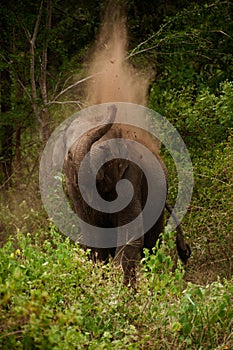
x: 51, y: 296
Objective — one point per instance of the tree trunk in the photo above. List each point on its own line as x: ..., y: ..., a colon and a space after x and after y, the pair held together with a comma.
x: 42, y: 115
x: 45, y: 118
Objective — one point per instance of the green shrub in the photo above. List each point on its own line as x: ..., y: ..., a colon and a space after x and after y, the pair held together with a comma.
x: 202, y: 117
x: 52, y: 297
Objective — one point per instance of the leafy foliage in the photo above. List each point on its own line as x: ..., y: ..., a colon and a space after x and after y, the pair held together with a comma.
x: 203, y: 118
x: 53, y: 297
x: 194, y: 44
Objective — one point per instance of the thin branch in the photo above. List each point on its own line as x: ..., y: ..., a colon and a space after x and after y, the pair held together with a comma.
x: 148, y: 39
x: 27, y: 33
x: 11, y: 333
x: 217, y: 261
x: 21, y: 23
x: 220, y: 3
x: 5, y: 183
x: 33, y: 40
x: 57, y: 79
x: 174, y: 36
x: 223, y: 33
x: 75, y: 84
x: 23, y: 87
x: 214, y: 178
x: 79, y: 103
x: 67, y: 80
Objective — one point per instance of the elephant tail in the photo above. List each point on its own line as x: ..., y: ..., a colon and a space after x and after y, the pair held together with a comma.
x: 183, y: 248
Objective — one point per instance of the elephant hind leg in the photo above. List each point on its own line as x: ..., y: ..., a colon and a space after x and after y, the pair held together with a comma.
x: 99, y: 254
x: 127, y: 257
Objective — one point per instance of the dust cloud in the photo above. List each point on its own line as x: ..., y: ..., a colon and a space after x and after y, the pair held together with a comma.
x: 115, y: 79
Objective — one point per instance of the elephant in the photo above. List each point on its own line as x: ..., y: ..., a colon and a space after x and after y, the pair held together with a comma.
x: 107, y: 177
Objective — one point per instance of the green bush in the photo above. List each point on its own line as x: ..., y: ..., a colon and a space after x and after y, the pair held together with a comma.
x: 203, y: 118
x: 52, y: 297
